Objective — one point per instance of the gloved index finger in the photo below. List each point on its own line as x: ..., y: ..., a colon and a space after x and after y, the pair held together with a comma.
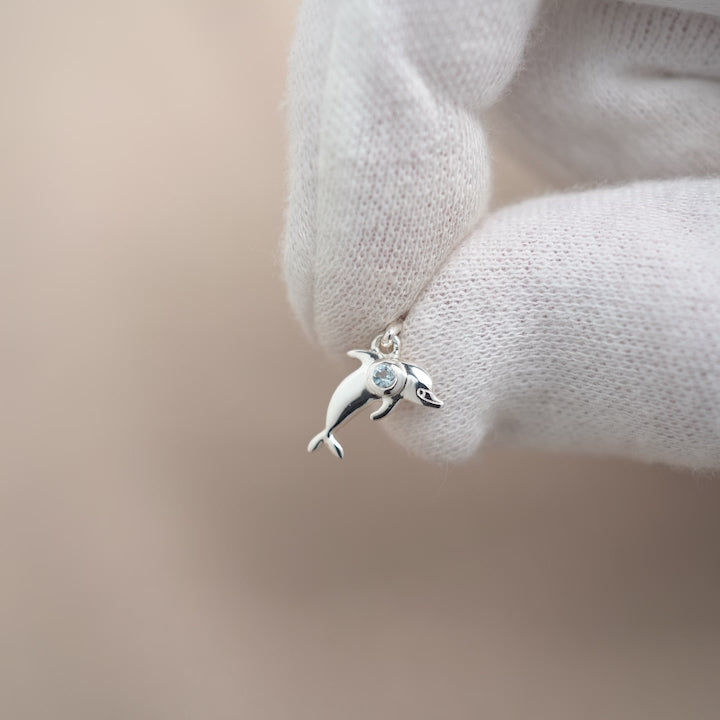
x: 389, y: 167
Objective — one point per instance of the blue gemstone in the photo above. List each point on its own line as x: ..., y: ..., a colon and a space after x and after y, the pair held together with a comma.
x: 384, y: 376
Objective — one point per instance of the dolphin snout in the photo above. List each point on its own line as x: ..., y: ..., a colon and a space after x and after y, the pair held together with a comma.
x: 427, y: 398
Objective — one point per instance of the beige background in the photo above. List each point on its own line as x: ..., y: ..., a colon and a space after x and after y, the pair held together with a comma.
x: 168, y: 550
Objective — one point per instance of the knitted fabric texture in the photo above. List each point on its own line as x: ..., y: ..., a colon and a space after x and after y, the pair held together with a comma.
x: 587, y: 321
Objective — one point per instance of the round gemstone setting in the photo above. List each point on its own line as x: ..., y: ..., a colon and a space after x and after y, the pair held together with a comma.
x: 384, y: 375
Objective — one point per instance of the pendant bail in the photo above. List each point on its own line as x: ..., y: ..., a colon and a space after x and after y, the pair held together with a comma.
x: 388, y: 343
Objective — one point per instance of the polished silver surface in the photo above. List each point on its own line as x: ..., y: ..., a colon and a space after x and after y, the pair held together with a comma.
x: 381, y: 376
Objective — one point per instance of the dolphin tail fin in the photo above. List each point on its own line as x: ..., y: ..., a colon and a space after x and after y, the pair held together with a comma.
x: 333, y: 444
x: 329, y: 438
x: 316, y: 442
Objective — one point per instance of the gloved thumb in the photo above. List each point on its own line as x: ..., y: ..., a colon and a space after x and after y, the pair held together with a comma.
x: 583, y: 322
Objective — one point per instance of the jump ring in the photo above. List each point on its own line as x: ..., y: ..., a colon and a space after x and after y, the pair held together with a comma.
x: 383, y: 341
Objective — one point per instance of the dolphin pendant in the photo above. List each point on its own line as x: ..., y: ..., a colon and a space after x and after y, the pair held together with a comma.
x: 381, y: 376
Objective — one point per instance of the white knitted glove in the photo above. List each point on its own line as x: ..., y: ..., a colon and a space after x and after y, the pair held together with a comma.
x: 587, y: 321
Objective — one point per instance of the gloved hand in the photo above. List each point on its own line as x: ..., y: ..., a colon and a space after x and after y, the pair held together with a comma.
x: 585, y: 321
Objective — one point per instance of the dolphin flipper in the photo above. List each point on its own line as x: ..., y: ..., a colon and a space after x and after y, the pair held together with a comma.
x: 330, y: 440
x: 388, y: 403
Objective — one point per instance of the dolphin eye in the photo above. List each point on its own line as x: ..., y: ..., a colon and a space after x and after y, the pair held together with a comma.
x: 427, y: 398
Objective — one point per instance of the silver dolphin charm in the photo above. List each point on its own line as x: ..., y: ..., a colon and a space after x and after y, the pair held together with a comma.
x: 381, y: 376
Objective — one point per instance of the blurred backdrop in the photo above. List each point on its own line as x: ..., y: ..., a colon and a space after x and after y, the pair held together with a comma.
x: 168, y: 549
